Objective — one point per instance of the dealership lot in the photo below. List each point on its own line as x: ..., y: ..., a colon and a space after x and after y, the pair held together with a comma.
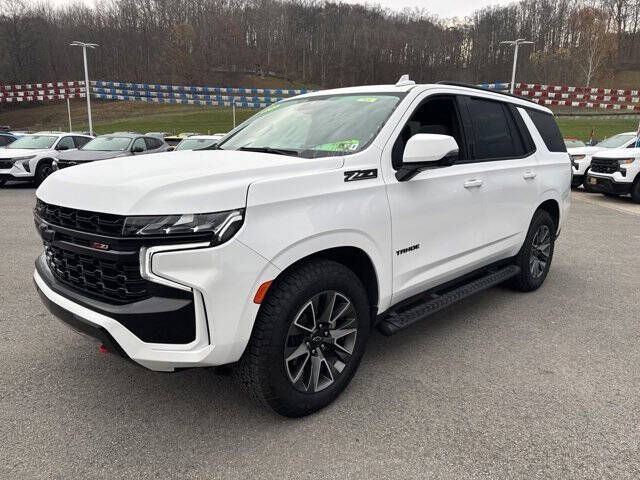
x: 502, y: 385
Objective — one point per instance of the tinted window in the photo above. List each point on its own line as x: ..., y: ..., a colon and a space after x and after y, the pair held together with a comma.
x: 152, y: 143
x: 5, y: 140
x: 65, y: 142
x: 80, y: 141
x: 139, y: 143
x: 495, y: 134
x: 548, y: 129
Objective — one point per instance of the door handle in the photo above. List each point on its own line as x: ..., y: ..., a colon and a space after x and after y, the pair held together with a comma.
x: 529, y: 175
x: 473, y: 183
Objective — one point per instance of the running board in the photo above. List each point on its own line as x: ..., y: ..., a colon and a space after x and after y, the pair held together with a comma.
x: 395, y: 322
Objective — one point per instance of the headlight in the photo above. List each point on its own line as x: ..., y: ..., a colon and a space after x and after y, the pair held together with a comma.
x: 626, y: 161
x: 222, y: 226
x: 577, y: 157
x: 19, y: 159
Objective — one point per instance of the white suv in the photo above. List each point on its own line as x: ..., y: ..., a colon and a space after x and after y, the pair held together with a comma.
x: 31, y: 156
x: 581, y: 156
x: 616, y: 172
x: 319, y: 218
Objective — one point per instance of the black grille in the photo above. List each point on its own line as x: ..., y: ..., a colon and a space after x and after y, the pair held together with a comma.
x: 82, y: 220
x: 112, y: 280
x: 604, y: 165
x: 6, y: 164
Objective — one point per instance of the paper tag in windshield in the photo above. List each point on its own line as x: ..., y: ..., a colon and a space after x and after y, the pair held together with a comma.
x: 367, y: 99
x: 343, y: 146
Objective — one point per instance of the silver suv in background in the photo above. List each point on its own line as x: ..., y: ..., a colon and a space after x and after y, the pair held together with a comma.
x: 113, y: 145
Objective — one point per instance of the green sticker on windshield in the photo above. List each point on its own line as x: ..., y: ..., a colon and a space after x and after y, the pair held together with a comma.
x: 342, y: 146
x: 367, y: 99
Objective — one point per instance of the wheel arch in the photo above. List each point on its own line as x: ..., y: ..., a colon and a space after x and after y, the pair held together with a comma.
x: 552, y: 207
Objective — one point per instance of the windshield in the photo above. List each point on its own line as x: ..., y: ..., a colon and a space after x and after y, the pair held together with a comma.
x: 574, y: 143
x: 617, y: 140
x: 107, y: 144
x: 195, y: 143
x: 33, y: 142
x: 316, y: 126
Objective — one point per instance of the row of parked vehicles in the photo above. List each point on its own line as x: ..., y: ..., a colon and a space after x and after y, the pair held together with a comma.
x: 611, y: 167
x: 34, y: 156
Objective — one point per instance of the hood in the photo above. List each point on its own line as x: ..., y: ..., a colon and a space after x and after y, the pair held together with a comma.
x: 584, y: 150
x: 89, y: 155
x: 20, y: 152
x: 618, y: 153
x: 171, y: 183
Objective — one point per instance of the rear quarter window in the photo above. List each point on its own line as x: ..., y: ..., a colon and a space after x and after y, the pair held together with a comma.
x: 548, y: 129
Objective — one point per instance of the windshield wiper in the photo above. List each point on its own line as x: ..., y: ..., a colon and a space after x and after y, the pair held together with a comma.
x: 276, y: 151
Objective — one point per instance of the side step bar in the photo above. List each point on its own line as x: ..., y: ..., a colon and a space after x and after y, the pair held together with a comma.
x: 395, y: 322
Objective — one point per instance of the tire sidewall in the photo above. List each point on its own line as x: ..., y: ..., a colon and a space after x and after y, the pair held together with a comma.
x: 277, y: 380
x: 39, y: 171
x: 540, y: 218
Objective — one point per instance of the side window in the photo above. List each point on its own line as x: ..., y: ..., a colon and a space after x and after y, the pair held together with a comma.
x: 80, y: 141
x: 633, y: 144
x: 139, y: 143
x: 5, y: 140
x: 435, y: 115
x: 548, y: 129
x: 152, y: 143
x: 65, y: 142
x: 495, y: 134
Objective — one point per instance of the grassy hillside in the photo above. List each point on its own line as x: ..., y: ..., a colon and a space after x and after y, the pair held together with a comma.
x: 119, y: 116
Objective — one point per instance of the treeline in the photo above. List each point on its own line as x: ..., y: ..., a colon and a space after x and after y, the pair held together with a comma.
x: 319, y: 42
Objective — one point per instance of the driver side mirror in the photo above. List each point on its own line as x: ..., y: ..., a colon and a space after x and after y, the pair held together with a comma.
x: 424, y: 151
x: 62, y: 147
x: 137, y: 150
x: 171, y: 149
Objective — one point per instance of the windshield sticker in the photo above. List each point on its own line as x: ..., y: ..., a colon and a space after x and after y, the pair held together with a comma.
x: 367, y: 99
x: 342, y: 146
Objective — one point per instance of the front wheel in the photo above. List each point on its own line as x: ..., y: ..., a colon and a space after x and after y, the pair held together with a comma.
x: 635, y: 191
x: 2, y: 181
x: 534, y: 258
x: 43, y: 170
x: 308, y: 339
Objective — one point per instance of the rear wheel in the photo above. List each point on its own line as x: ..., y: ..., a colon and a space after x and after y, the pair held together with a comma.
x: 534, y: 258
x: 635, y: 190
x: 43, y: 170
x: 308, y: 339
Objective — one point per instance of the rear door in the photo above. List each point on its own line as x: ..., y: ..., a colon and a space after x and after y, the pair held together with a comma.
x: 502, y: 144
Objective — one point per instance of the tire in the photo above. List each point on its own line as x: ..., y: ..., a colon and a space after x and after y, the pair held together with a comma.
x: 635, y: 190
x: 2, y: 181
x: 530, y: 258
x: 291, y: 369
x: 43, y: 170
x: 612, y: 195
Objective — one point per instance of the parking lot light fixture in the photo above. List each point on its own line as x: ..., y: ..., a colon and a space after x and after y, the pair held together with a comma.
x: 87, y: 86
x: 516, y: 44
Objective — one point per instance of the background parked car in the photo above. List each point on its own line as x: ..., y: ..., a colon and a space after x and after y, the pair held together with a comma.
x: 196, y: 142
x: 6, y: 139
x: 581, y: 156
x: 30, y: 157
x: 174, y: 140
x: 112, y: 145
x: 574, y: 143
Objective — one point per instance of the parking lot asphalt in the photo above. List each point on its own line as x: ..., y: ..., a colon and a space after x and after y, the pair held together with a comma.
x: 543, y: 385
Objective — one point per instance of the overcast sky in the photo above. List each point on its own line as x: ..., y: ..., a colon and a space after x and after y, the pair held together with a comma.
x: 443, y: 8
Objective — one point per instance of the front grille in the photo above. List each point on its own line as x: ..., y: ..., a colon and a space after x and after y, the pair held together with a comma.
x: 4, y: 164
x: 604, y: 165
x: 82, y: 220
x: 118, y: 281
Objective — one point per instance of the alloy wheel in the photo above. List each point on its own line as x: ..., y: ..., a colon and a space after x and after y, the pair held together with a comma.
x: 320, y: 341
x: 540, y: 251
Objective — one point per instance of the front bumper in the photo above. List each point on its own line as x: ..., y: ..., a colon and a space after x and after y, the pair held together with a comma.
x: 608, y: 185
x: 221, y: 282
x: 16, y: 172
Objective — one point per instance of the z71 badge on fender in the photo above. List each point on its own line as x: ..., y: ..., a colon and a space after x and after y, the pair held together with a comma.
x: 355, y: 175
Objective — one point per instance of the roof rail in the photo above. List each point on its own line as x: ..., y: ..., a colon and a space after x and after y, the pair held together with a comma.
x: 482, y: 89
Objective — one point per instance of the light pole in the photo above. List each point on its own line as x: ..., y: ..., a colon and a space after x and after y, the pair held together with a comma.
x: 87, y: 86
x: 516, y: 43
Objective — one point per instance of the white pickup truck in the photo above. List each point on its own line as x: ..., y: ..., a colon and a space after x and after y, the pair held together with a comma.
x: 318, y: 219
